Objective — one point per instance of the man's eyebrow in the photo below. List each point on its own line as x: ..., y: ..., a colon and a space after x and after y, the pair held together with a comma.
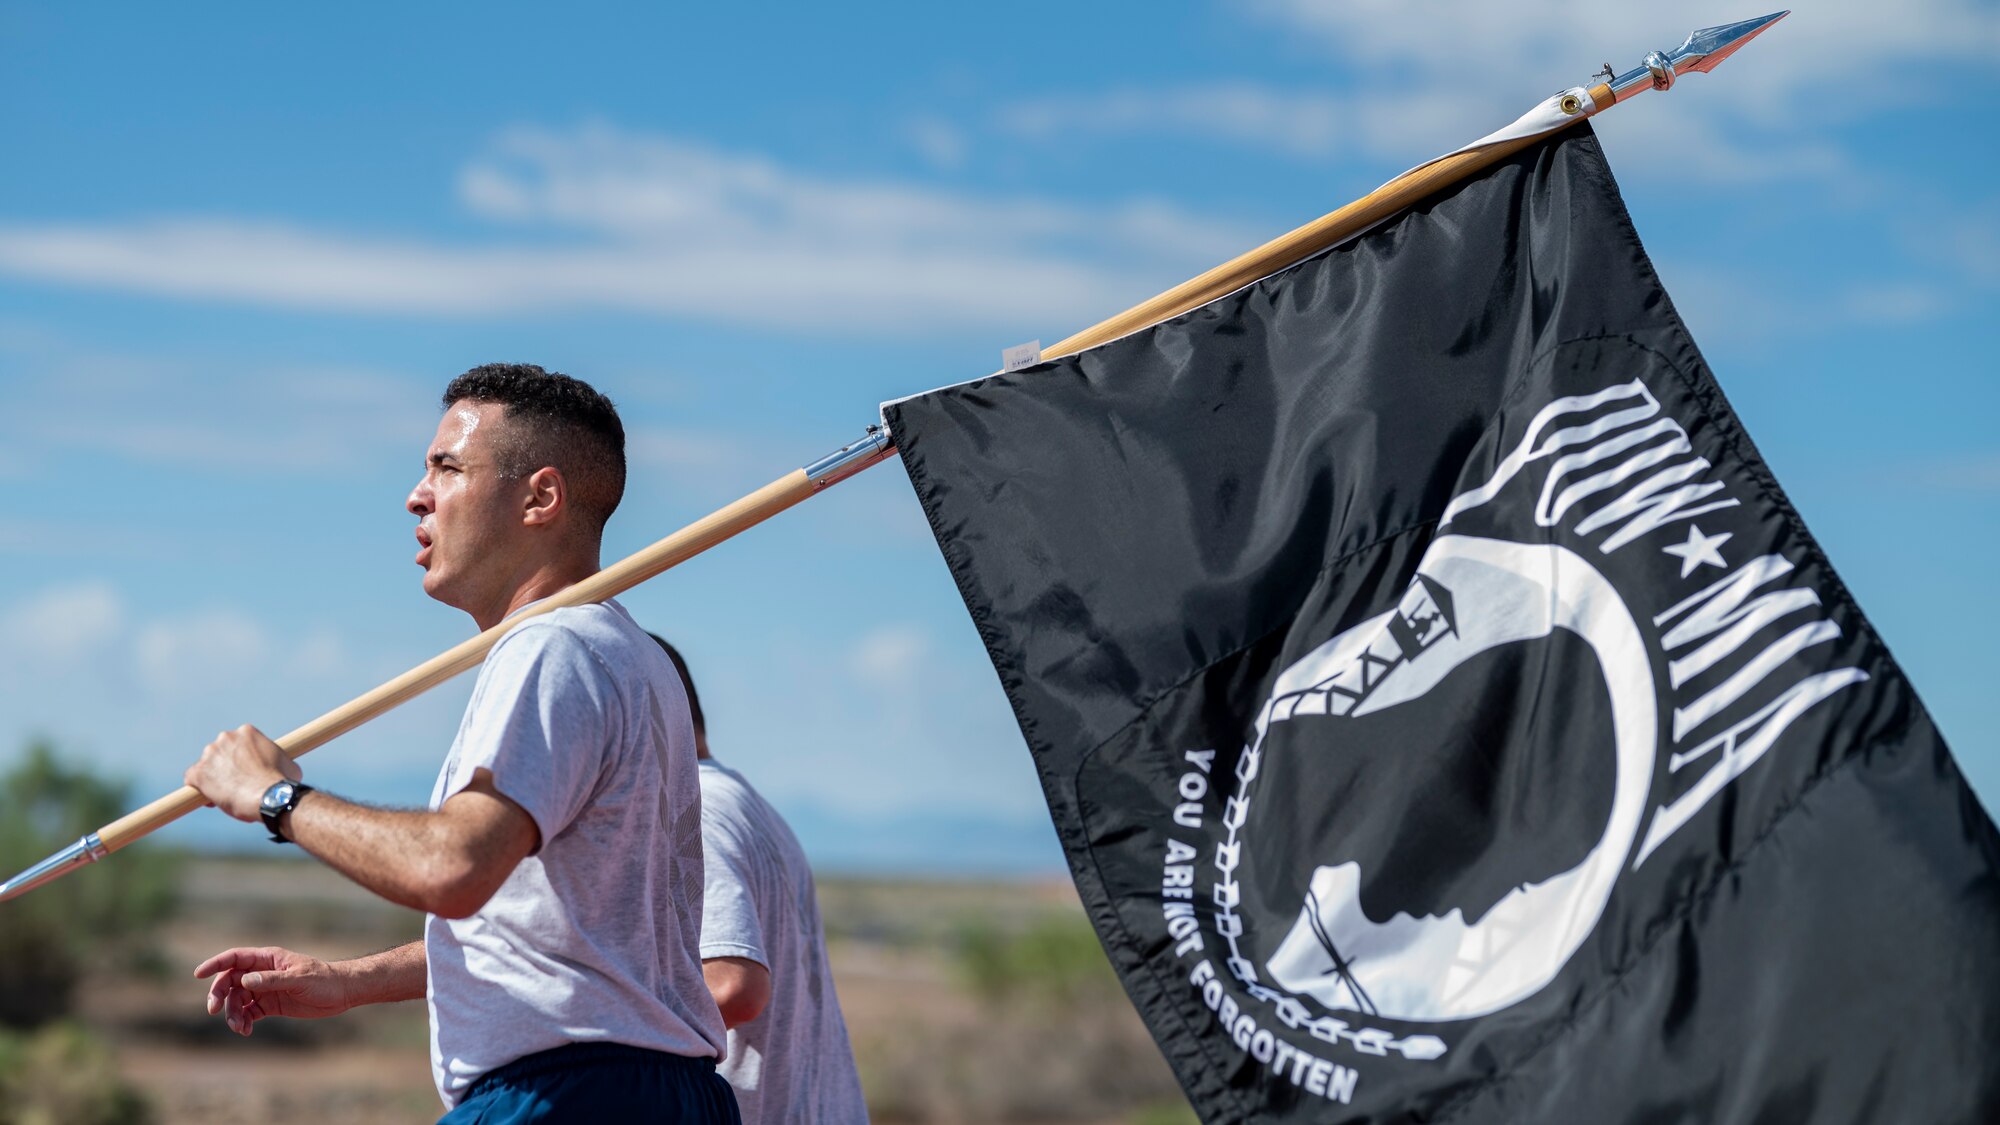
x: 440, y: 457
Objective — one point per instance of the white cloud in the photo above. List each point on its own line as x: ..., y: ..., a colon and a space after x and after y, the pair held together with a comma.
x: 1730, y: 306
x: 682, y: 466
x: 1301, y: 124
x: 193, y: 412
x: 1403, y: 125
x: 890, y: 658
x: 1966, y: 240
x: 321, y: 654
x: 62, y: 626
x: 215, y: 651
x: 1407, y: 128
x: 1660, y: 142
x: 942, y: 144
x: 200, y: 652
x: 140, y: 689
x: 1897, y: 302
x: 684, y: 197
x: 1420, y: 77
x: 1829, y: 49
x: 1974, y: 472
x: 899, y: 717
x: 663, y: 189
x: 667, y: 448
x: 654, y: 224
x: 68, y: 538
x: 890, y: 662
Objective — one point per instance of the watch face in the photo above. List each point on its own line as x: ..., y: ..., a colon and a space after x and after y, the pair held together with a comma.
x: 278, y: 795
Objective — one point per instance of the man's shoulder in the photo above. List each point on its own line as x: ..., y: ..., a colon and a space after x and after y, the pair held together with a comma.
x: 593, y: 619
x: 601, y: 630
x: 723, y: 790
x: 728, y: 799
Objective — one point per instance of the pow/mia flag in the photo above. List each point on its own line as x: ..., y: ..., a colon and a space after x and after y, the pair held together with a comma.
x: 1445, y: 714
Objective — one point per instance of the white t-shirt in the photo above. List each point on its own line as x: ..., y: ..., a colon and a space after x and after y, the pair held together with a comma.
x: 792, y: 1064
x: 594, y: 938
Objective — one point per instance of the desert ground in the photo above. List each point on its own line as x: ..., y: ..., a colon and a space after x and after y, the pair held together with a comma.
x: 966, y: 1002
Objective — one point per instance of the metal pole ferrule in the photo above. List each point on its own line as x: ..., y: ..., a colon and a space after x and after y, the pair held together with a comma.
x: 850, y: 459
x: 86, y: 851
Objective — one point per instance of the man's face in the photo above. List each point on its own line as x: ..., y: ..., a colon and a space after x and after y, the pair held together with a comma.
x: 468, y: 514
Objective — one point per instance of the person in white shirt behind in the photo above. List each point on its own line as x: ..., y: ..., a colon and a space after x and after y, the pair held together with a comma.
x: 763, y: 954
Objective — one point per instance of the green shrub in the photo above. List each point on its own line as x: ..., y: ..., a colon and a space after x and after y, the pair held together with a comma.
x: 61, y: 1076
x: 1165, y: 1113
x: 105, y: 912
x: 1040, y: 1031
x: 1056, y: 963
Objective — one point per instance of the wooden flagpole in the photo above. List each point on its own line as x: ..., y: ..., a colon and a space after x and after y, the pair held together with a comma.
x: 1702, y: 51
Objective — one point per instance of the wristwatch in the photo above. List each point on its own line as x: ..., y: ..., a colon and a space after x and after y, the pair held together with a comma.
x: 282, y: 797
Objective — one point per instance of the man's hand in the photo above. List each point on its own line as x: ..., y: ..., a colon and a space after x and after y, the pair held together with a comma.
x: 251, y: 984
x: 237, y: 767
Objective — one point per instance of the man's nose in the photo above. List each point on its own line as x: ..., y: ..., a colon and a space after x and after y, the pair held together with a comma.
x: 419, y: 502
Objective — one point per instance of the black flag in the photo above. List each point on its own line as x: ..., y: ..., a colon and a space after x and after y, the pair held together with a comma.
x: 1446, y: 716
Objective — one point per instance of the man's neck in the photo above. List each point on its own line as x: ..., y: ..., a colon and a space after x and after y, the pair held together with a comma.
x: 545, y: 580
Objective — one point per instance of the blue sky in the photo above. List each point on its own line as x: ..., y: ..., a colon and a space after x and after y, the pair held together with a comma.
x: 243, y: 247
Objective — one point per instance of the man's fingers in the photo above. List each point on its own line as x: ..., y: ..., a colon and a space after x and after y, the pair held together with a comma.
x: 231, y: 1006
x: 240, y: 1011
x: 239, y: 975
x: 276, y: 980
x: 219, y: 988
x: 244, y: 958
x: 223, y: 960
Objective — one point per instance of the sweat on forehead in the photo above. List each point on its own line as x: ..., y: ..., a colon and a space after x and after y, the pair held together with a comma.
x: 551, y: 420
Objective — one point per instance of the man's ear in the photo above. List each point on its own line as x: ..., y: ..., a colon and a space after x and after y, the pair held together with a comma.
x: 548, y: 495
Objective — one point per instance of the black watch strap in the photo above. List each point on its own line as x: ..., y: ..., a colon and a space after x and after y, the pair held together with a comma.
x: 272, y: 808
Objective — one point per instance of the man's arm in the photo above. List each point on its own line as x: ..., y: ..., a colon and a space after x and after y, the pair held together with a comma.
x: 447, y: 862
x: 741, y: 987
x: 251, y: 984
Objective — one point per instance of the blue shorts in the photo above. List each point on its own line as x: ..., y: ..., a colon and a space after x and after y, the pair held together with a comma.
x: 598, y: 1082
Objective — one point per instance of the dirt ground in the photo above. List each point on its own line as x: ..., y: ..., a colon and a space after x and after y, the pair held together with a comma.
x: 929, y: 1047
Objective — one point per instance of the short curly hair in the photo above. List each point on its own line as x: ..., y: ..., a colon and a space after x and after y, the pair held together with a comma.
x: 561, y: 422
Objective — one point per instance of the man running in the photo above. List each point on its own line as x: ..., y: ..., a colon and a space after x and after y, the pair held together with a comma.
x: 559, y: 862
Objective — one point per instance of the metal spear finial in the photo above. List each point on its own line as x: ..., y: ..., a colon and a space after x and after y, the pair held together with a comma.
x: 1703, y: 51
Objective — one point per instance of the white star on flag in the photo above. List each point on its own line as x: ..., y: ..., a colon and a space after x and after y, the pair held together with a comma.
x: 1699, y: 549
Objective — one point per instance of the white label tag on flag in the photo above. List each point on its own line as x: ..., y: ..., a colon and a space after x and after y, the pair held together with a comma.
x: 1021, y: 355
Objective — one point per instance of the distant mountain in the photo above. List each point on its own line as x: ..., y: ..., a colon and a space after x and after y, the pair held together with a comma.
x: 921, y: 843
x: 838, y: 841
